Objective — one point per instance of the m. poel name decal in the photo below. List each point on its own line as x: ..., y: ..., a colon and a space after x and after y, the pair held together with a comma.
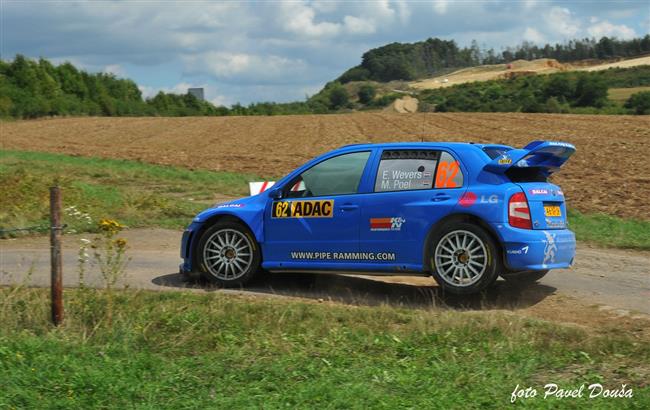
x: 323, y: 208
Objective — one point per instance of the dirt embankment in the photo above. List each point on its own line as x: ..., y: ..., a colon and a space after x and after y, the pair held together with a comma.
x: 610, y: 173
x: 520, y: 68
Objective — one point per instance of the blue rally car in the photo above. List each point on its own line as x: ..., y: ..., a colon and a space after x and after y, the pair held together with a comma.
x: 464, y: 213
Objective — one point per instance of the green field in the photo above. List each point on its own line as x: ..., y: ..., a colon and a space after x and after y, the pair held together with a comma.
x: 136, y: 194
x: 145, y: 195
x: 181, y: 350
x: 622, y: 94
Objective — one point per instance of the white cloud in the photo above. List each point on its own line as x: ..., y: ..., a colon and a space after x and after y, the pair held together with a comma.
x: 531, y: 34
x: 355, y: 25
x: 605, y: 28
x: 561, y: 22
x: 249, y: 67
x: 300, y: 19
x: 440, y: 6
x: 403, y: 11
x: 115, y: 69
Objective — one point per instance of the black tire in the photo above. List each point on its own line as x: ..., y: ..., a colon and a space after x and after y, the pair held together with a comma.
x: 228, y: 264
x: 465, y: 261
x: 529, y: 276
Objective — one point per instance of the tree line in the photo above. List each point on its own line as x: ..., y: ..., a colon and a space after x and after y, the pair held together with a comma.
x: 37, y: 88
x: 410, y: 61
x: 31, y: 89
x: 566, y: 92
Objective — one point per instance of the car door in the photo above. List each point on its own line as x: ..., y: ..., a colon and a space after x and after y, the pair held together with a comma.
x: 316, y: 220
x: 396, y: 218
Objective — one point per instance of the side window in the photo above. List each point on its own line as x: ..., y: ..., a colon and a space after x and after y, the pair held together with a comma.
x: 449, y: 174
x: 335, y: 176
x: 405, y: 170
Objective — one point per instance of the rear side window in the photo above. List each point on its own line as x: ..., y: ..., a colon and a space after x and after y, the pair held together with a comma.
x: 449, y: 174
x: 495, y: 152
x: 406, y: 170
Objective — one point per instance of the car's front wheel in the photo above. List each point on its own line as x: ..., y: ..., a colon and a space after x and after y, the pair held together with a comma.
x: 464, y: 258
x: 228, y: 254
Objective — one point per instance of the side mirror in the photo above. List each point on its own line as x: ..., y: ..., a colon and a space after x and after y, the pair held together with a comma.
x: 275, y: 193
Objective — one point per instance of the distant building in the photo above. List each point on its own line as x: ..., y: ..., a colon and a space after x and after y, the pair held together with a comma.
x: 197, y: 92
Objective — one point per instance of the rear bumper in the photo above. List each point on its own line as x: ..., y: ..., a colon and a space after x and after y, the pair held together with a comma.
x: 526, y: 249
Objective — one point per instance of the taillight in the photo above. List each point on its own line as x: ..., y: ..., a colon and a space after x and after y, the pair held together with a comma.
x: 519, y: 212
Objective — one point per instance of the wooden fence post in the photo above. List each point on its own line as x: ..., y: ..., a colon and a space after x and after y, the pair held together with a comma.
x: 56, y: 257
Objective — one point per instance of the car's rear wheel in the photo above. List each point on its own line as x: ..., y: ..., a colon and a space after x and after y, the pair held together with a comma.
x: 228, y: 254
x: 464, y: 258
x: 529, y: 276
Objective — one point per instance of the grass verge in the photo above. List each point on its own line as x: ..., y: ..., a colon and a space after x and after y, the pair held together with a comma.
x: 145, y: 195
x: 182, y: 350
x: 610, y: 231
x: 136, y: 194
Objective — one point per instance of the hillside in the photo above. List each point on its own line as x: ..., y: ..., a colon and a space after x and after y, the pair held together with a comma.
x: 435, y: 57
x: 520, y: 68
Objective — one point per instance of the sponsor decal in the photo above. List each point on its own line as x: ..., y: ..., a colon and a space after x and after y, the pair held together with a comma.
x: 522, y: 251
x: 231, y: 206
x: 344, y: 256
x: 386, y: 224
x: 561, y: 144
x: 549, y: 249
x: 555, y: 224
x: 470, y: 198
x: 538, y: 191
x: 505, y: 160
x: 323, y: 208
x: 492, y: 199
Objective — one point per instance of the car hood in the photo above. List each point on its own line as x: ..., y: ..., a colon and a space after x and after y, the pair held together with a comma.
x: 233, y: 207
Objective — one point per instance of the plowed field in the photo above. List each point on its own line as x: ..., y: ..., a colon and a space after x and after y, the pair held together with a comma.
x: 610, y: 173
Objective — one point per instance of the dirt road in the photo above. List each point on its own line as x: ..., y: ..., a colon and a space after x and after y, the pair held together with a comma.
x: 609, y: 173
x: 601, y: 280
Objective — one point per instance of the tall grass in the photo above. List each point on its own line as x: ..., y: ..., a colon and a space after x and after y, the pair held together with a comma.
x: 182, y: 350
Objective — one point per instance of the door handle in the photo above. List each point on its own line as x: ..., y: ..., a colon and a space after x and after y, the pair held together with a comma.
x: 440, y: 197
x: 349, y: 207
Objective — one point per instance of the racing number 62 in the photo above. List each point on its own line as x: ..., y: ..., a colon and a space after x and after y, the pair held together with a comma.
x: 446, y: 173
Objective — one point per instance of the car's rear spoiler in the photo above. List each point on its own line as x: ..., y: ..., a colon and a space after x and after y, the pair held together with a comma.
x: 549, y: 156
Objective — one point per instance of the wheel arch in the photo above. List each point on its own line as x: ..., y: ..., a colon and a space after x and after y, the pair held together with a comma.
x: 210, y: 222
x: 458, y: 217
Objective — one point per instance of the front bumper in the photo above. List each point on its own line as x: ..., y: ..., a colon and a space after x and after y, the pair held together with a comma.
x: 187, y: 247
x: 529, y: 249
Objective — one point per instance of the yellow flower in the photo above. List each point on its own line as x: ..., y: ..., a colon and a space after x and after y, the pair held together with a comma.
x: 120, y: 243
x: 110, y: 226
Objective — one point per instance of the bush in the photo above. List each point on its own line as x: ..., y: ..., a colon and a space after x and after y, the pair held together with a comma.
x: 591, y: 91
x: 639, y: 102
x: 338, y: 96
x: 366, y: 93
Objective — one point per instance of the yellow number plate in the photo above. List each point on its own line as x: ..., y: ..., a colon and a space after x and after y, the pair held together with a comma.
x: 552, y: 210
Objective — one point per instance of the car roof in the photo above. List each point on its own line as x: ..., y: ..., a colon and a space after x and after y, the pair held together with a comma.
x: 460, y: 146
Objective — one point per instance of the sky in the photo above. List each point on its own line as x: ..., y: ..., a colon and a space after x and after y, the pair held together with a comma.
x: 281, y: 51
